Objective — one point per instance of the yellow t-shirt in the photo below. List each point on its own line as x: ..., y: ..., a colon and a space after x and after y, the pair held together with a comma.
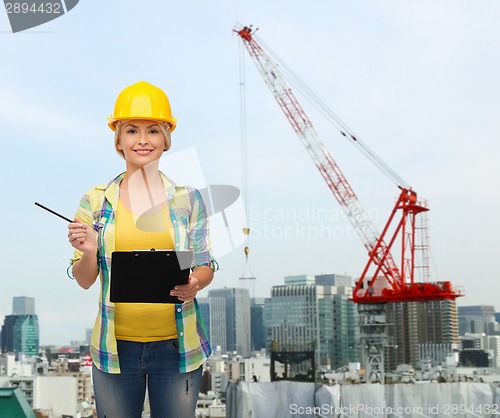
x: 143, y: 322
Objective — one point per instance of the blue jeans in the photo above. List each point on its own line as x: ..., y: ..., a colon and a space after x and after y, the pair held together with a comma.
x: 155, y: 364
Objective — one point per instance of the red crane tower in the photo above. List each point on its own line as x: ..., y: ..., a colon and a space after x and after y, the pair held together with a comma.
x: 382, y: 280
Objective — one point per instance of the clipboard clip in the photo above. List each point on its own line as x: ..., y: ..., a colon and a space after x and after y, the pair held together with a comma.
x: 152, y: 250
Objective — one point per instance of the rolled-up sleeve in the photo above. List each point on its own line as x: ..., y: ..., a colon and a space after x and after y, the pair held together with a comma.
x: 85, y: 215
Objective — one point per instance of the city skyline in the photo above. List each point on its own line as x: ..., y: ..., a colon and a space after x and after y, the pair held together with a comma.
x: 417, y: 82
x: 82, y: 337
x: 83, y: 334
x: 311, y: 311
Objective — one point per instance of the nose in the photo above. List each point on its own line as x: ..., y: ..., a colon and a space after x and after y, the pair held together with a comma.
x: 143, y: 138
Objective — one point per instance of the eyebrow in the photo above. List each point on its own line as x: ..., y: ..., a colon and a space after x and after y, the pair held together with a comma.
x: 147, y: 127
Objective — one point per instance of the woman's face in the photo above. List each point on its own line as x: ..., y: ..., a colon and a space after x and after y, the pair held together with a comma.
x: 141, y: 142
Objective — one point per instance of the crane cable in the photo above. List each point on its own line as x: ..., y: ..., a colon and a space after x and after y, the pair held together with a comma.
x: 244, y: 155
x: 331, y: 117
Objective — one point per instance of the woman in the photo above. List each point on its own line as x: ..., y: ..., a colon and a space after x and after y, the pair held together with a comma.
x: 139, y: 345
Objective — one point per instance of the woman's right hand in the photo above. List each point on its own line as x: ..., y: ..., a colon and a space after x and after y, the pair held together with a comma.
x: 82, y: 237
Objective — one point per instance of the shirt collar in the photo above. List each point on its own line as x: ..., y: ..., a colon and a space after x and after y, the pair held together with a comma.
x: 112, y: 189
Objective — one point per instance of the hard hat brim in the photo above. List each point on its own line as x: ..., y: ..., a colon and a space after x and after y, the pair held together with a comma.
x: 113, y: 121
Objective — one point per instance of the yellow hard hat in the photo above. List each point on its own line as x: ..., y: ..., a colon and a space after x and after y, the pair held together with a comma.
x: 142, y: 101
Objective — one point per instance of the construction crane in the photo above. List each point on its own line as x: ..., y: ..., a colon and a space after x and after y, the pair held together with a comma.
x: 383, y: 280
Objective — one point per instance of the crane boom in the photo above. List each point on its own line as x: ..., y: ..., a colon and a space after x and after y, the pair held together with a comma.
x: 388, y: 283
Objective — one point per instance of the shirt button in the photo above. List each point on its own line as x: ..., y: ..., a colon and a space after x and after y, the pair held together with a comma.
x: 181, y: 334
x: 179, y: 309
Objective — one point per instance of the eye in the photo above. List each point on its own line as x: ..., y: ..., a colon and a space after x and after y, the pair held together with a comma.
x: 154, y: 131
x: 131, y: 130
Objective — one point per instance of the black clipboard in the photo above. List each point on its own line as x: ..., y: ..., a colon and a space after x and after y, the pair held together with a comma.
x: 148, y: 276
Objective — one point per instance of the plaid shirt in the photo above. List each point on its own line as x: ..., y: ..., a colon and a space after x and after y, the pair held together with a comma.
x: 189, y: 218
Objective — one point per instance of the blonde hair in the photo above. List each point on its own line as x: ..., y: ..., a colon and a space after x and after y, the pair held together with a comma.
x: 164, y: 129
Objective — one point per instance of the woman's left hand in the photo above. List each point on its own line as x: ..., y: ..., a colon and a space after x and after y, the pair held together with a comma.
x: 186, y: 291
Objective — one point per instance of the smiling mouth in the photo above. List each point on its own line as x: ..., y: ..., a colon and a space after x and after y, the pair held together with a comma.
x: 143, y: 151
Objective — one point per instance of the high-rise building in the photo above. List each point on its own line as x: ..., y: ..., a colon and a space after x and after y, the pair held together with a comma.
x: 302, y: 315
x: 258, y: 327
x: 333, y: 280
x: 294, y: 320
x: 27, y: 335
x: 477, y: 319
x: 21, y: 331
x: 8, y: 333
x: 213, y: 312
x: 485, y: 311
x: 237, y: 318
x: 23, y: 305
x: 300, y: 280
x: 345, y: 328
x: 412, y: 324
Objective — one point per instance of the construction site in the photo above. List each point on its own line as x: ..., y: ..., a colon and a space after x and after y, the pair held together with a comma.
x: 404, y: 316
x: 396, y: 311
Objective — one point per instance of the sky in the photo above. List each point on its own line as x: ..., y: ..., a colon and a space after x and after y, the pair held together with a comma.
x: 417, y: 81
